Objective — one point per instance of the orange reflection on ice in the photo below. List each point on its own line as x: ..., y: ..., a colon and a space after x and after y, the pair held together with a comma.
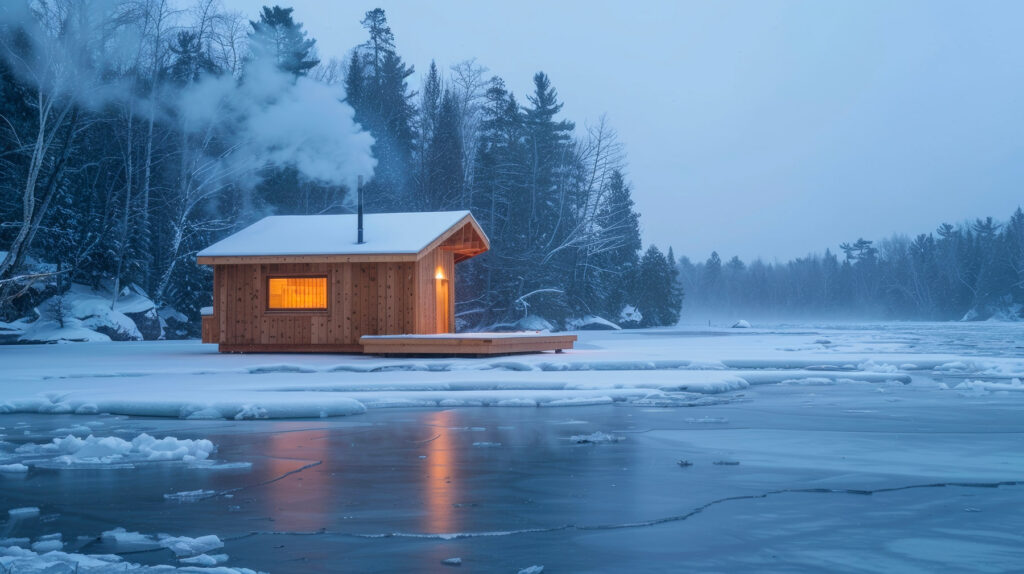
x: 299, y: 501
x: 439, y: 490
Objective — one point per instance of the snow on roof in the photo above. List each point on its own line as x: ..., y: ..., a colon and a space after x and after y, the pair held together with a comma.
x: 336, y: 234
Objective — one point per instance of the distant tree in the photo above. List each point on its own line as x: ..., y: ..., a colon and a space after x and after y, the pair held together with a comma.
x: 659, y: 295
x: 711, y: 279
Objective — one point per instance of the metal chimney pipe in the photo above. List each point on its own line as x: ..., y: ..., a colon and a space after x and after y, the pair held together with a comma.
x: 359, y: 217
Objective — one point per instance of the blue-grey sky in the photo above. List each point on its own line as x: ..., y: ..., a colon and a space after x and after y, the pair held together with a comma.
x: 756, y: 128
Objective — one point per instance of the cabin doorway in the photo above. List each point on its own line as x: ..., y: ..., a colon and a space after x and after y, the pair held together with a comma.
x: 443, y: 305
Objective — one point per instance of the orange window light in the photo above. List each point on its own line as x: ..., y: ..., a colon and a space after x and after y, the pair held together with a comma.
x: 297, y: 293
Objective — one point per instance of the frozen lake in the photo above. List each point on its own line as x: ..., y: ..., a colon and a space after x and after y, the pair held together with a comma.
x: 884, y: 448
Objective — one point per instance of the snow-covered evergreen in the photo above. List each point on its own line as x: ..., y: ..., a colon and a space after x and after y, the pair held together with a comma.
x: 125, y: 162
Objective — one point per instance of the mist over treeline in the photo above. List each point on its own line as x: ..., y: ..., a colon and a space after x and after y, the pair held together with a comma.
x: 136, y: 132
x: 970, y: 271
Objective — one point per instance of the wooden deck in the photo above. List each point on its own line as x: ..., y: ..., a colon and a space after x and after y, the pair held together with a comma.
x: 465, y: 344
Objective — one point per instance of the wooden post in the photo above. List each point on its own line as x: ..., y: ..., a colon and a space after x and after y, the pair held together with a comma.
x: 359, y: 193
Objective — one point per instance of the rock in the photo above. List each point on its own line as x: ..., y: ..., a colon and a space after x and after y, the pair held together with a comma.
x: 176, y: 325
x: 148, y: 324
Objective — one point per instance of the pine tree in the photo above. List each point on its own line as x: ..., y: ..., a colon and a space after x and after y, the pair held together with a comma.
x: 547, y: 146
x: 659, y: 294
x: 283, y: 41
x: 427, y: 118
x: 384, y: 107
x: 354, y: 84
x: 620, y: 246
x: 444, y: 158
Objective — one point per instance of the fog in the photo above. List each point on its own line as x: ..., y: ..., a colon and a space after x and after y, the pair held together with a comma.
x: 759, y: 129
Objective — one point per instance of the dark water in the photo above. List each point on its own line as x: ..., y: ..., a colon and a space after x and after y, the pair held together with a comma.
x: 354, y: 494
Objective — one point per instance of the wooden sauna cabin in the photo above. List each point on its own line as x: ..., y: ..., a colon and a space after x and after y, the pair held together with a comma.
x: 304, y: 283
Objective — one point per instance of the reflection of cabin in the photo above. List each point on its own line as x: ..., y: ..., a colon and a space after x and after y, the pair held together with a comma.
x: 301, y: 283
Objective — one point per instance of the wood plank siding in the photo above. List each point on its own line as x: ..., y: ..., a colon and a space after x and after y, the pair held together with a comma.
x: 362, y: 298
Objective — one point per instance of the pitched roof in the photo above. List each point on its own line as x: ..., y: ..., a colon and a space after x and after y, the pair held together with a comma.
x: 324, y: 235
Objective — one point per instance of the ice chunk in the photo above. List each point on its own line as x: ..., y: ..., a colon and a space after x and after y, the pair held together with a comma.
x: 594, y: 438
x: 714, y: 420
x: 190, y: 495
x: 47, y: 546
x: 122, y: 537
x: 251, y: 412
x: 91, y: 450
x: 452, y: 561
x: 186, y: 546
x: 204, y: 560
x: 809, y: 382
x: 24, y: 512
x: 741, y: 324
x: 532, y: 570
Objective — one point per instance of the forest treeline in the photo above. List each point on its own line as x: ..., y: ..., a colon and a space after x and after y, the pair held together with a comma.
x: 970, y: 271
x: 136, y: 132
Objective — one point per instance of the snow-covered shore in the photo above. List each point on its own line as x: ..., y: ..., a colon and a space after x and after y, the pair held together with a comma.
x: 659, y: 367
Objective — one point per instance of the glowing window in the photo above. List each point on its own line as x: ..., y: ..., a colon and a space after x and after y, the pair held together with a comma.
x: 297, y: 293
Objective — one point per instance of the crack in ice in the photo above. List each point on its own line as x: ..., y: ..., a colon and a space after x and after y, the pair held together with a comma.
x: 641, y: 524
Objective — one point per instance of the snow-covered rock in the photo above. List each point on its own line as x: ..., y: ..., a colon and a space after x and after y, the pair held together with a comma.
x: 630, y: 316
x: 87, y: 315
x: 175, y: 324
x: 534, y: 323
x: 591, y: 323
